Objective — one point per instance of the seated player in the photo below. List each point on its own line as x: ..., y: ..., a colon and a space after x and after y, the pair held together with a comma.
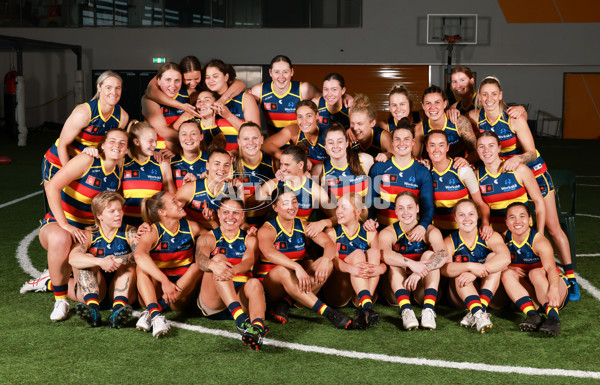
x: 414, y: 266
x: 283, y: 270
x: 474, y: 258
x: 532, y: 279
x: 370, y: 138
x: 103, y: 265
x: 227, y: 255
x: 167, y: 276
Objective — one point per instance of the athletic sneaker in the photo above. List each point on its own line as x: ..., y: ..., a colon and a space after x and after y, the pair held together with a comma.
x: 468, y: 320
x: 37, y: 284
x: 144, y: 323
x: 160, y: 326
x: 372, y: 317
x: 409, y: 319
x: 359, y: 322
x: 88, y: 314
x: 550, y: 327
x: 338, y: 319
x: 245, y: 326
x: 531, y: 323
x: 253, y: 338
x: 574, y: 294
x: 428, y: 319
x: 61, y: 310
x: 279, y: 311
x: 482, y: 321
x: 120, y: 317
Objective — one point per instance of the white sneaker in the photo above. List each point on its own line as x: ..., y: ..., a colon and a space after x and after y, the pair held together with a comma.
x: 144, y: 323
x: 61, y: 310
x: 482, y: 321
x: 160, y: 326
x: 37, y: 284
x: 428, y: 319
x: 409, y: 319
x: 468, y: 320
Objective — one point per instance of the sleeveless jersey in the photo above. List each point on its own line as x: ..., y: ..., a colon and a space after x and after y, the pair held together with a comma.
x: 463, y: 253
x: 280, y: 110
x: 340, y: 181
x: 181, y: 167
x: 523, y: 255
x: 500, y: 190
x: 173, y: 253
x: 90, y: 136
x: 408, y: 249
x: 448, y: 189
x: 461, y: 108
x: 391, y: 180
x: 101, y: 246
x: 374, y: 147
x: 315, y: 151
x: 236, y: 106
x: 391, y: 123
x: 346, y: 244
x: 140, y: 180
x: 292, y: 245
x: 171, y: 114
x: 457, y: 146
x: 253, y: 178
x: 303, y: 195
x: 234, y: 250
x: 201, y: 196
x: 77, y: 196
x: 208, y: 133
x: 326, y: 117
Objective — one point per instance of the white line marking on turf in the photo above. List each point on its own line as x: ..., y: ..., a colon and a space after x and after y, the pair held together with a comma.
x: 588, y: 215
x: 588, y: 185
x: 20, y: 199
x: 588, y: 255
x: 25, y: 263
x: 23, y: 254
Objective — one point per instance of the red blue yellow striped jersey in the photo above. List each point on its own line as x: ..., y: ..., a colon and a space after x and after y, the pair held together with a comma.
x: 374, y: 148
x: 118, y: 245
x: 280, y: 110
x: 173, y: 253
x: 90, y: 136
x: 236, y: 106
x: 253, y: 177
x: 326, y: 117
x: 457, y: 146
x: 347, y: 243
x: 234, y: 250
x: 477, y: 253
x: 304, y: 195
x: 389, y: 180
x: 202, y: 195
x: 77, y: 196
x: 315, y: 151
x: 140, y: 180
x: 448, y: 189
x: 340, y: 181
x: 292, y: 245
x: 500, y: 190
x: 182, y: 166
x: 171, y: 114
x: 408, y: 249
x: 522, y: 255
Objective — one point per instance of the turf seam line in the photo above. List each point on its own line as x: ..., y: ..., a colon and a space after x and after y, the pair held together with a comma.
x: 3, y: 205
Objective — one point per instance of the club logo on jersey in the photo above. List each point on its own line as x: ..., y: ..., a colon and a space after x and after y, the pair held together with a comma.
x: 196, y: 204
x: 93, y: 181
x: 486, y: 188
x: 461, y: 258
x: 342, y: 247
x: 280, y: 245
x: 512, y: 256
x: 164, y: 245
x: 332, y: 182
x: 100, y: 252
x: 389, y: 178
x: 434, y: 184
x: 323, y: 120
x: 246, y: 179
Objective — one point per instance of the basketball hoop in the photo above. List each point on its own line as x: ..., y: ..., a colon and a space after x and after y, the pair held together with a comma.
x: 451, y: 40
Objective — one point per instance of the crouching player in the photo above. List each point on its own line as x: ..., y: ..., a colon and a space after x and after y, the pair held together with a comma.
x: 104, y: 265
x: 474, y: 258
x: 532, y: 273
x: 226, y: 255
x: 411, y: 262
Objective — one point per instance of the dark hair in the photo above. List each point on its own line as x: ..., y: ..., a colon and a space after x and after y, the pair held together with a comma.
x: 213, y: 93
x: 225, y: 69
x: 275, y: 194
x: 488, y: 133
x: 298, y: 154
x: 307, y: 103
x: 517, y: 204
x: 279, y: 58
x: 400, y: 89
x: 190, y: 64
x: 233, y: 199
x: 351, y: 156
x: 404, y: 124
x: 466, y: 200
x: 433, y: 132
x: 336, y: 76
x: 166, y: 67
x: 433, y: 89
x: 407, y: 194
x: 462, y: 69
x: 217, y: 151
x: 203, y: 146
x: 103, y: 140
x: 150, y: 207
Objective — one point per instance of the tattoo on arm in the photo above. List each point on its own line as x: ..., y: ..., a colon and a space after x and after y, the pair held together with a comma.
x: 88, y: 282
x: 126, y: 259
x: 466, y: 132
x: 437, y: 259
x: 202, y: 260
x: 81, y: 248
x: 124, y: 288
x: 528, y: 157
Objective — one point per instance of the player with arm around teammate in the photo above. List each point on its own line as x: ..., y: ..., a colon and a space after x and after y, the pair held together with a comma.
x: 103, y: 265
x: 532, y: 278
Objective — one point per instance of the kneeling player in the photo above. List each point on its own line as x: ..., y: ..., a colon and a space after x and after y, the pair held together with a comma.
x: 532, y: 273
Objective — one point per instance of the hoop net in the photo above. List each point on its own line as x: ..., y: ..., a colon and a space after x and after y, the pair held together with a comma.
x: 451, y: 40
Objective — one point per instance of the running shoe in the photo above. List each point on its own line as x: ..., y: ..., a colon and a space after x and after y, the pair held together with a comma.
x: 409, y: 319
x: 120, y: 317
x: 88, y: 314
x: 550, y: 327
x: 482, y: 321
x: 338, y: 319
x: 531, y: 323
x: 144, y: 323
x: 359, y: 322
x: 468, y: 321
x: 574, y: 294
x: 428, y: 319
x: 61, y: 310
x: 160, y: 326
x: 38, y: 284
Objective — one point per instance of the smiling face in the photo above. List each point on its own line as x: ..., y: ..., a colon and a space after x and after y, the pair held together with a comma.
x: 345, y: 212
x: 115, y: 145
x: 112, y: 215
x: 402, y: 142
x: 307, y: 119
x: 190, y: 137
x: 204, y: 103
x: 336, y: 144
x: 490, y: 96
x: 406, y: 210
x: 286, y: 206
x: 231, y: 215
x: 361, y: 125
x: 172, y: 208
x: 192, y: 79
x: 399, y: 106
x: 289, y: 167
x: 219, y: 167
x: 110, y: 91
x: 488, y: 149
x: 281, y: 74
x: 250, y: 140
x: 146, y: 142
x: 216, y: 80
x: 517, y: 220
x: 434, y: 106
x: 437, y: 147
x: 170, y: 82
x: 466, y: 216
x: 461, y: 83
x: 333, y: 92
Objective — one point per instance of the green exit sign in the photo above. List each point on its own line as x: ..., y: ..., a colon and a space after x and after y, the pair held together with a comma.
x: 158, y: 60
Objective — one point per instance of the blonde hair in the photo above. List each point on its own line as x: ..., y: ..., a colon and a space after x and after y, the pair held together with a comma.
x: 103, y: 76
x: 358, y: 203
x: 135, y: 129
x: 362, y: 103
x: 489, y: 80
x: 101, y: 202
